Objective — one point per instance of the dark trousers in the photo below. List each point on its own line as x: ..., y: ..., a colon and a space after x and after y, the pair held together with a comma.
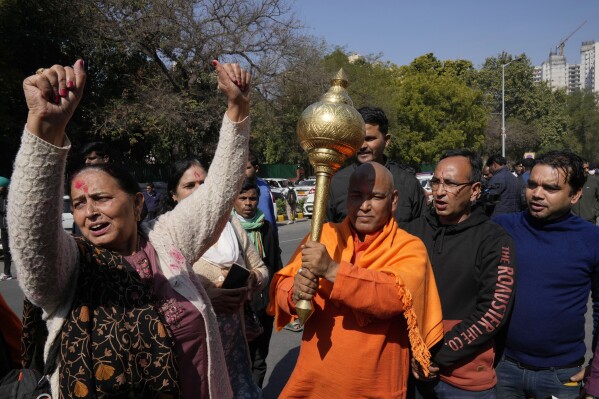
x: 259, y: 347
x: 6, y: 251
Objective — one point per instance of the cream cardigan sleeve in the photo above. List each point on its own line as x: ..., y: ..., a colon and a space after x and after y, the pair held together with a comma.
x: 44, y: 254
x: 197, y: 221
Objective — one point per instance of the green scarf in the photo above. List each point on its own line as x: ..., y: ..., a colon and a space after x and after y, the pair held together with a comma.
x: 252, y: 227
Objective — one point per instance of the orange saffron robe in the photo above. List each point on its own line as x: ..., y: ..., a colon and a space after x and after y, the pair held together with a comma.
x: 383, y: 304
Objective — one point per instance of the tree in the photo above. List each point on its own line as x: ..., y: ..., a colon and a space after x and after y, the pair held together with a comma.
x: 437, y: 110
x: 371, y: 81
x: 151, y: 87
x: 276, y: 111
x: 520, y: 138
x: 33, y: 34
x: 529, y: 103
x: 170, y: 107
x: 583, y: 124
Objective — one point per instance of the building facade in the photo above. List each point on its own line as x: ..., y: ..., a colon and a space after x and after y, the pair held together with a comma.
x: 571, y: 77
x: 589, y: 59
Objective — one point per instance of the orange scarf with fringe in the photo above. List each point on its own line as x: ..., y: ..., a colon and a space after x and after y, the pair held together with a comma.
x: 392, y: 251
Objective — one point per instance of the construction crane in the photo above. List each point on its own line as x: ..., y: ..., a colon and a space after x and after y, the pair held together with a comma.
x: 560, y: 47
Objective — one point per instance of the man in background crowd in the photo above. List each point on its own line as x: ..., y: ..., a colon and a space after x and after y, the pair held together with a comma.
x: 152, y: 199
x: 588, y: 205
x: 262, y: 236
x: 411, y: 197
x: 504, y: 190
x: 265, y: 203
x: 95, y: 152
x: 291, y: 204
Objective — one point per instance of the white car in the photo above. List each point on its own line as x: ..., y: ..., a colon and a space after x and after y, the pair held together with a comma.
x: 303, y: 188
x: 67, y: 216
x: 277, y: 185
x: 309, y: 206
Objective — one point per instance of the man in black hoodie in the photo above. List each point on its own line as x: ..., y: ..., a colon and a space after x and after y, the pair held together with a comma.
x: 473, y: 264
x: 376, y: 138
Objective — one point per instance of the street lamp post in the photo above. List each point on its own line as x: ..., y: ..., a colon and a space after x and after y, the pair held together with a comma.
x: 503, y: 105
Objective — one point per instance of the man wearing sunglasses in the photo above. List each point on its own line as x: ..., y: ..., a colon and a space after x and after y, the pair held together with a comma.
x: 473, y: 264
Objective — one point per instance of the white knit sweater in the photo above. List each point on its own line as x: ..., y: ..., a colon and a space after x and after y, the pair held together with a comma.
x: 46, y: 257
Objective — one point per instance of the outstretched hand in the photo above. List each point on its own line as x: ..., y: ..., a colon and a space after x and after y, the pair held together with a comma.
x: 52, y: 96
x: 234, y: 82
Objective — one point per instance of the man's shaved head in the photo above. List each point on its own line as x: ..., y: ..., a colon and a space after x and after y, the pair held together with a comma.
x: 371, y: 198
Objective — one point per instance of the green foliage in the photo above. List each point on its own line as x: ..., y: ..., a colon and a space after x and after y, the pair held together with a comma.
x: 536, y: 110
x: 371, y: 81
x: 300, y: 204
x: 583, y: 124
x: 439, y: 110
x: 151, y: 91
x: 281, y: 210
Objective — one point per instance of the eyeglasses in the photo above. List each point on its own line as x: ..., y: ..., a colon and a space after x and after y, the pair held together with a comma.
x: 449, y: 185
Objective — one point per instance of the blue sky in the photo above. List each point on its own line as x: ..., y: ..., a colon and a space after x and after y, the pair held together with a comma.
x: 451, y: 29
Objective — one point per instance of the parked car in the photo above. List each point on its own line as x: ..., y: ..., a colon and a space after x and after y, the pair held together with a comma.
x: 67, y: 216
x: 305, y: 187
x: 309, y: 206
x: 277, y: 185
x: 425, y: 183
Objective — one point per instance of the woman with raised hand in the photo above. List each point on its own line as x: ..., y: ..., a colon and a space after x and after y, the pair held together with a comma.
x: 128, y: 315
x: 233, y: 247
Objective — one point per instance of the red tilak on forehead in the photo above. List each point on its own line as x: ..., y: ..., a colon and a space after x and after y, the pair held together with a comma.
x: 197, y: 174
x: 80, y: 185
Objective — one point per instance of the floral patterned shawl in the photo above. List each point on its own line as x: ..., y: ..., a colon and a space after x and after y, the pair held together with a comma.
x: 114, y: 342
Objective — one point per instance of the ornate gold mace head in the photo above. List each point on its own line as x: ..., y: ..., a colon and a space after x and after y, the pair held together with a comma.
x: 330, y: 131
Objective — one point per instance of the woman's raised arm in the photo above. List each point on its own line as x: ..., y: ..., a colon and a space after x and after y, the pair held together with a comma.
x: 196, y: 223
x: 44, y: 254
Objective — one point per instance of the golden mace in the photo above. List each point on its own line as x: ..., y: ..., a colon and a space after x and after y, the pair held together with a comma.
x: 330, y: 131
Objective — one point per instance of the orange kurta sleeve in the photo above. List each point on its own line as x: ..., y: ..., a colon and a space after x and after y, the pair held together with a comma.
x: 369, y: 291
x: 283, y: 296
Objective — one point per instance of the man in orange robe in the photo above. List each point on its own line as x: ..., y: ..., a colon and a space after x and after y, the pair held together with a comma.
x: 374, y: 297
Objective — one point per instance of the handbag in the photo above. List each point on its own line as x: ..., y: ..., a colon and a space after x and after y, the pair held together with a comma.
x: 24, y: 384
x: 253, y: 327
x: 29, y: 383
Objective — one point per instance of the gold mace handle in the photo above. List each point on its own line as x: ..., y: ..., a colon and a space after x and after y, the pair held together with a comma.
x: 304, y: 307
